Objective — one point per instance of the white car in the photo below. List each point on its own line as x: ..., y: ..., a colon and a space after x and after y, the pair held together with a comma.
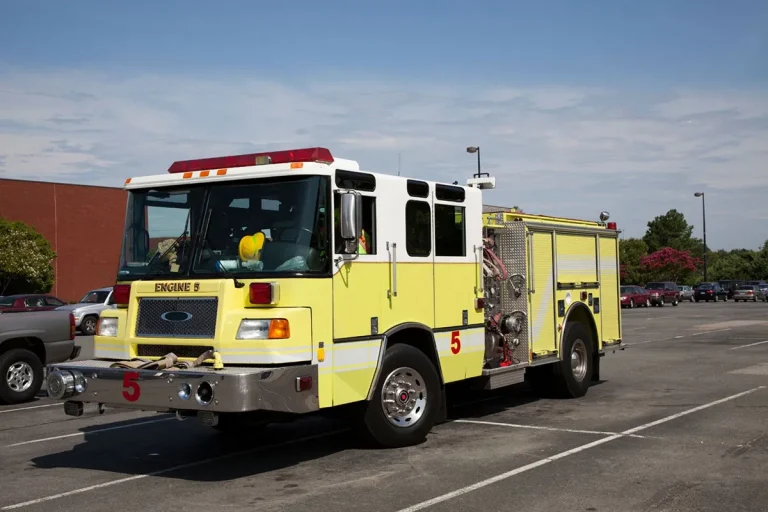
x: 87, y: 311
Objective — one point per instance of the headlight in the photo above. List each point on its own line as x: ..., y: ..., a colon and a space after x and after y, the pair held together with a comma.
x: 263, y: 329
x: 106, y: 327
x: 623, y: 298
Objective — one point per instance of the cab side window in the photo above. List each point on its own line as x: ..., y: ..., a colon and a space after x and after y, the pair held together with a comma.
x: 368, y: 244
x: 418, y: 228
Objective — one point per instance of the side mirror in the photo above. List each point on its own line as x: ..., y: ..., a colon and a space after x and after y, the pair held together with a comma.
x: 351, y: 219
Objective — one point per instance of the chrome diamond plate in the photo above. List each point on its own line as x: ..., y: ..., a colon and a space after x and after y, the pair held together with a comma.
x: 512, y: 251
x: 177, y: 317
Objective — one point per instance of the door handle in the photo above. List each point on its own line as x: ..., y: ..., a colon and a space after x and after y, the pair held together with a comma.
x: 393, y: 291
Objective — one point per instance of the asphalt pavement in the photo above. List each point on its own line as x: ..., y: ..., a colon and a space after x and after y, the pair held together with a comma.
x: 679, y: 422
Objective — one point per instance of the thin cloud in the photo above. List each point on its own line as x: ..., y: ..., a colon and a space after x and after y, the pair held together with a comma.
x: 574, y: 150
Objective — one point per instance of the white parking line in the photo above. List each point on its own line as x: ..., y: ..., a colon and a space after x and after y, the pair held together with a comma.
x: 90, y: 432
x: 675, y: 337
x: 750, y: 345
x: 169, y: 470
x: 561, y: 455
x: 538, y: 427
x: 28, y: 408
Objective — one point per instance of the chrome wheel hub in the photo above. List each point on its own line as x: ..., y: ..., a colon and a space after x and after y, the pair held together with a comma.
x: 19, y: 377
x: 579, y: 360
x: 404, y: 397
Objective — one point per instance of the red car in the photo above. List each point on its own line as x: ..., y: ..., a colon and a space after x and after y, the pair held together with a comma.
x: 632, y: 296
x: 29, y: 302
x: 663, y: 292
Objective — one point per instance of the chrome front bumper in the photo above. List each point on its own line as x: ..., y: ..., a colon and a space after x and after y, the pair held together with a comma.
x: 290, y: 389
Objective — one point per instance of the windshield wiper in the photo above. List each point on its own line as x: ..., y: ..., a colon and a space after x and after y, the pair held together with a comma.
x: 205, y: 243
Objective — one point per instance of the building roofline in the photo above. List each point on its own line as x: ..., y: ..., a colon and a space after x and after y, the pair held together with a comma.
x: 61, y: 183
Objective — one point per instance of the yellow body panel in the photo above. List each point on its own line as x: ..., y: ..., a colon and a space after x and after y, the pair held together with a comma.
x: 542, y: 312
x: 609, y: 282
x: 576, y: 258
x: 454, y: 293
x: 415, y: 299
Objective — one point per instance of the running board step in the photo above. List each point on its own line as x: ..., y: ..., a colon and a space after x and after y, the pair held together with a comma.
x: 496, y: 378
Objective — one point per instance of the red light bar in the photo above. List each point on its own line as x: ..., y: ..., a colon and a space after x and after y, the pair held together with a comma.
x: 612, y: 225
x: 273, y: 157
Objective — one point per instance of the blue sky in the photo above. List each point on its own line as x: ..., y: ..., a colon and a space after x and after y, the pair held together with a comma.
x: 577, y: 106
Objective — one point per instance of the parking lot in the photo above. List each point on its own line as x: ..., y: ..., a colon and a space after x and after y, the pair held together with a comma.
x: 678, y: 422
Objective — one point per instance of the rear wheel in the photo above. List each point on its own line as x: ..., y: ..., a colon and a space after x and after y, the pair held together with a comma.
x: 21, y: 376
x: 406, y: 399
x: 647, y: 302
x: 632, y: 303
x: 572, y: 375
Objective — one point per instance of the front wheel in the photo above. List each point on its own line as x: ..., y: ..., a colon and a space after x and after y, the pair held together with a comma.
x: 88, y: 326
x: 21, y: 376
x: 406, y: 399
x: 675, y: 302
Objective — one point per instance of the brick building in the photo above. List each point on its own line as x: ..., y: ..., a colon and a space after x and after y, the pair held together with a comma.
x: 83, y: 223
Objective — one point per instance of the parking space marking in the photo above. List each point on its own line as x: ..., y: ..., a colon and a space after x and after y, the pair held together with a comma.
x: 573, y: 451
x: 750, y: 345
x: 675, y: 337
x: 172, y: 469
x: 28, y: 408
x: 91, y: 432
x: 539, y: 427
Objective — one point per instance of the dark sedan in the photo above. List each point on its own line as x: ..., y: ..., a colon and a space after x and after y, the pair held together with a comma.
x: 710, y: 292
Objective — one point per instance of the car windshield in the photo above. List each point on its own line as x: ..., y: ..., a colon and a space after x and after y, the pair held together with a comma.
x: 626, y: 289
x: 704, y: 287
x: 654, y: 286
x: 270, y: 226
x: 95, y: 297
x: 746, y: 287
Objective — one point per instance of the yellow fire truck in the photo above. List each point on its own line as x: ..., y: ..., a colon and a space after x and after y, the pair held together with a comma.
x: 260, y: 287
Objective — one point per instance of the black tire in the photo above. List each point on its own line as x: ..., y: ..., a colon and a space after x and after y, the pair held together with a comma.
x: 88, y: 325
x: 675, y: 302
x: 19, y: 356
x: 237, y: 423
x: 376, y: 427
x: 647, y: 302
x: 566, y: 384
x: 632, y: 303
x: 697, y: 300
x: 715, y: 298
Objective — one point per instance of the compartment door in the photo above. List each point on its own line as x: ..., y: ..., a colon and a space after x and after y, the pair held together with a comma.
x: 542, y: 308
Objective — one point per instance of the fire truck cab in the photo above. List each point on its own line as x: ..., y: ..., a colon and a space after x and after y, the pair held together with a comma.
x: 265, y: 286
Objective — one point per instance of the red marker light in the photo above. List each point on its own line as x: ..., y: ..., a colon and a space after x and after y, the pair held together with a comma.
x: 121, y: 294
x: 322, y: 155
x: 71, y: 326
x: 263, y: 293
x: 612, y: 225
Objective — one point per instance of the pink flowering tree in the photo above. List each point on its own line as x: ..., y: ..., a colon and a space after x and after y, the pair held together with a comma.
x: 669, y: 264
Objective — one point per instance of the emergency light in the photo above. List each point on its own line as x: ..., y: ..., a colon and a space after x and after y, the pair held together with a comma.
x: 321, y: 155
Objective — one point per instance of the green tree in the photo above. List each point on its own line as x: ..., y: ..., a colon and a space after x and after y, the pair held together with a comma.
x: 25, y: 259
x: 631, y: 251
x: 672, y: 230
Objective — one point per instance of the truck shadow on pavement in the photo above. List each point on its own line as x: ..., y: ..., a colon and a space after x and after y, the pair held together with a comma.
x: 162, y: 446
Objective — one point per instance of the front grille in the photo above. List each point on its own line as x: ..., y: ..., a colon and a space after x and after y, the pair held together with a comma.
x: 193, y: 351
x: 177, y: 317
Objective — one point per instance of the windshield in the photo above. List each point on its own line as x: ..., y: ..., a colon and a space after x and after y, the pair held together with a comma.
x: 626, y: 289
x: 94, y: 297
x: 654, y: 286
x: 271, y: 226
x: 705, y: 287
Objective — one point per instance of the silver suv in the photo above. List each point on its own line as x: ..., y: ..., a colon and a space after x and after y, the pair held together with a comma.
x: 87, y: 311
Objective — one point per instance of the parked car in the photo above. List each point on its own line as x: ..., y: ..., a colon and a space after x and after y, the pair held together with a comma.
x: 632, y: 296
x: 730, y: 285
x: 710, y: 292
x: 663, y: 292
x: 87, y: 311
x: 686, y: 293
x: 29, y: 302
x: 749, y: 292
x: 28, y: 342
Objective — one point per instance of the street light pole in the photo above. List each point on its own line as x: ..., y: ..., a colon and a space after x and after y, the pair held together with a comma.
x: 704, y: 225
x: 476, y: 149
